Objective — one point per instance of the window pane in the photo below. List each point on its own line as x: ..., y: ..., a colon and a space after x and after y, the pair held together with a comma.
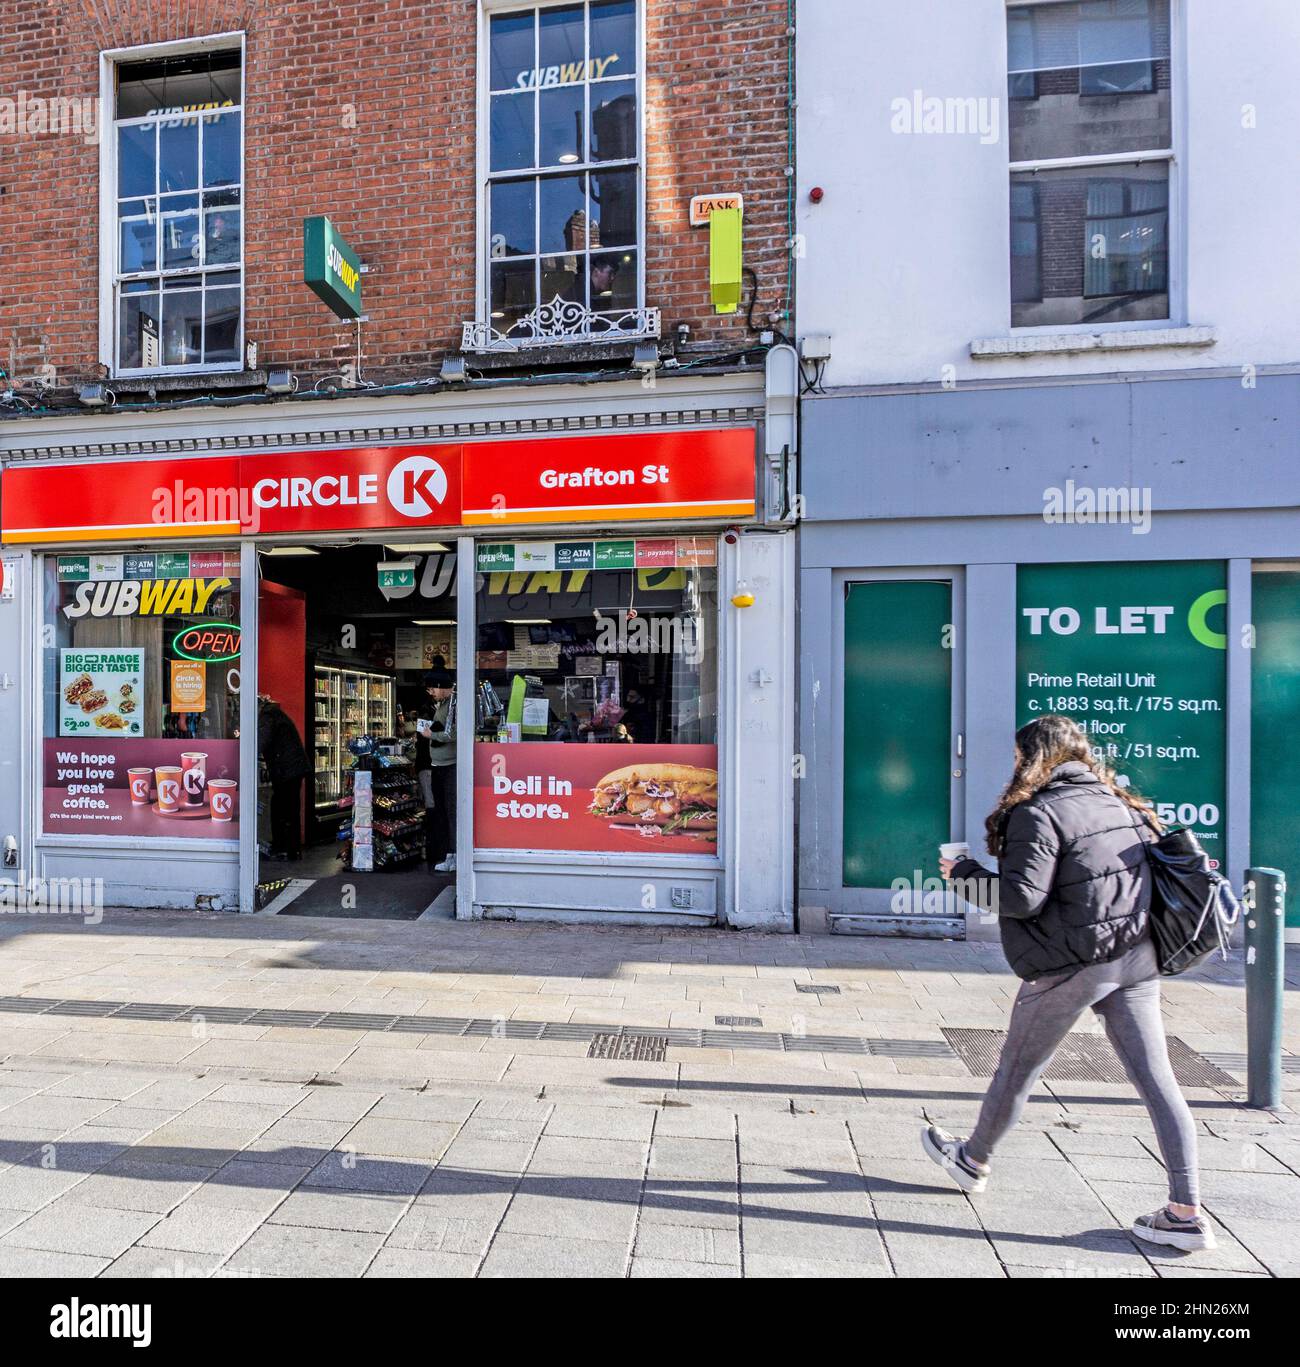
x: 1026, y: 277
x: 211, y: 198
x: 513, y: 291
x: 561, y: 44
x: 221, y: 150
x: 136, y: 170
x: 564, y: 226
x: 182, y: 327
x: 221, y: 237
x: 1088, y: 79
x: 613, y: 38
x: 114, y: 698
x: 137, y: 331
x: 613, y: 206
x: 180, y: 235
x: 513, y: 228
x: 178, y: 156
x: 511, y: 136
x: 221, y: 326
x: 632, y: 683
x: 613, y: 121
x: 1102, y: 243
x: 613, y: 282
x: 139, y: 246
x: 560, y: 116
x: 198, y: 78
x: 511, y: 43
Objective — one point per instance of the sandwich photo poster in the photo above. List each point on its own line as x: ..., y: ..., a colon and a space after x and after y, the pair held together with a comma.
x: 100, y: 691
x: 547, y: 795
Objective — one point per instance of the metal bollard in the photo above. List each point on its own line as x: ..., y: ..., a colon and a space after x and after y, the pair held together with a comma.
x: 1265, y: 960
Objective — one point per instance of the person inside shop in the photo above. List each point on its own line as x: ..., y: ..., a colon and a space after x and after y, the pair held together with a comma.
x: 435, y: 768
x: 280, y: 748
x: 638, y: 717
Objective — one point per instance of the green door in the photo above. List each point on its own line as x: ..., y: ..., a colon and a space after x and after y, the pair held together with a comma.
x: 1275, y: 724
x: 897, y: 729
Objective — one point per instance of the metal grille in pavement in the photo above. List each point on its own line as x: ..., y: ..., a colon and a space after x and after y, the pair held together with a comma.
x: 471, y: 1027
x: 1085, y: 1058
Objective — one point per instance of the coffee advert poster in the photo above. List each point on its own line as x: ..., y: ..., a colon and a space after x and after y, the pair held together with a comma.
x: 187, y: 789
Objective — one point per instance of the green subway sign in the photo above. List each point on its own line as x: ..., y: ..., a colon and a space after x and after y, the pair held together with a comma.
x: 330, y: 267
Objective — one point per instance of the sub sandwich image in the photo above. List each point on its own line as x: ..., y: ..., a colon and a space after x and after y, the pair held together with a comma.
x: 656, y: 800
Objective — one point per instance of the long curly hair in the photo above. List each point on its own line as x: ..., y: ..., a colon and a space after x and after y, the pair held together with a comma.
x: 1040, y: 746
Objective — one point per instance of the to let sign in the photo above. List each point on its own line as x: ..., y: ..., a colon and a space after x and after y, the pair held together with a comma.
x: 330, y: 267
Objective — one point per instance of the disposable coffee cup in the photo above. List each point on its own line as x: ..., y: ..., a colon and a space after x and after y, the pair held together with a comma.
x: 954, y: 850
x: 141, y: 781
x: 194, y: 776
x: 221, y: 793
x: 169, y: 787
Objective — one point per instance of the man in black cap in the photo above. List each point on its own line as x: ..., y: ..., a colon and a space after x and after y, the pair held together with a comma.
x: 435, y: 768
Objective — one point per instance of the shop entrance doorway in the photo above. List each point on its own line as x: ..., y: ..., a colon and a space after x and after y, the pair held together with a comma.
x: 901, y: 749
x: 356, y: 731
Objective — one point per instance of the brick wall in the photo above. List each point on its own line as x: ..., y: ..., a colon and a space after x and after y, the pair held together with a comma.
x: 366, y: 111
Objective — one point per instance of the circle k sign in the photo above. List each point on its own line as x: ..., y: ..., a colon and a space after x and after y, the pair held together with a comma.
x: 417, y: 487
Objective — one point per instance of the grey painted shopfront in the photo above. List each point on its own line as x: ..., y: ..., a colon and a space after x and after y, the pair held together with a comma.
x: 1122, y: 623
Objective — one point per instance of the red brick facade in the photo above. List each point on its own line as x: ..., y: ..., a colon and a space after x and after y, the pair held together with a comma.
x: 365, y: 110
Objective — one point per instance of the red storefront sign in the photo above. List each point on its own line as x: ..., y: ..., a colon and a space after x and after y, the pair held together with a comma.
x: 604, y: 479
x: 298, y: 492
x: 642, y: 476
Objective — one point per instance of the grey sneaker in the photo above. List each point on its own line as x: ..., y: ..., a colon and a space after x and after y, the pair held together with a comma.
x: 1164, y: 1227
x: 950, y: 1154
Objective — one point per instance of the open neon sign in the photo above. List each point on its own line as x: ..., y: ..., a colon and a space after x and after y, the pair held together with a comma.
x: 208, y: 642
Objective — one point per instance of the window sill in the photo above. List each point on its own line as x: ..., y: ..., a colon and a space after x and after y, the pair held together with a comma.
x: 1073, y: 343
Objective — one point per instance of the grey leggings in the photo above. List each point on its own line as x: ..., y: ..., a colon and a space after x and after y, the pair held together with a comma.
x: 1126, y: 995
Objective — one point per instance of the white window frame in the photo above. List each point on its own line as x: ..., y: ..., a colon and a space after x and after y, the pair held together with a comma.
x: 109, y: 60
x: 482, y: 160
x: 1173, y: 156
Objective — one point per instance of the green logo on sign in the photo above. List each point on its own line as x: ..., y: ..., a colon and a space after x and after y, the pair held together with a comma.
x: 1196, y: 619
x: 330, y: 268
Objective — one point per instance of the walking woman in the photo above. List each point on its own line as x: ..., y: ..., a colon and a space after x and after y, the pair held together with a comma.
x: 1073, y: 894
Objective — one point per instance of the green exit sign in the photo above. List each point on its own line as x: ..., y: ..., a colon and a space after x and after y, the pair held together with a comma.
x: 396, y: 576
x: 330, y: 267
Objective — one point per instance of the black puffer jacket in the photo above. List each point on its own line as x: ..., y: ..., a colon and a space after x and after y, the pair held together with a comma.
x: 1073, y: 885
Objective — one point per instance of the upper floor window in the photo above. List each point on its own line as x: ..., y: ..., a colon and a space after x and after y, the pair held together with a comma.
x: 1090, y: 127
x: 562, y: 212
x: 178, y: 213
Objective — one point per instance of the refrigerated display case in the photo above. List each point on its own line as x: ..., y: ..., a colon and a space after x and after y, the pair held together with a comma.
x: 327, y: 736
x: 349, y: 703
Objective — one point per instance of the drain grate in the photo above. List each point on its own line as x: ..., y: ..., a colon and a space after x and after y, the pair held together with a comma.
x: 1085, y: 1058
x: 638, y: 1048
x: 498, y: 1027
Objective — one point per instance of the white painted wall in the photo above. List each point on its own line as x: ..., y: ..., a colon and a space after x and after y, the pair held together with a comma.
x: 907, y: 255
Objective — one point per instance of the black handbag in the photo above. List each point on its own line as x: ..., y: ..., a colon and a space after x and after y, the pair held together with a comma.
x: 1193, y: 908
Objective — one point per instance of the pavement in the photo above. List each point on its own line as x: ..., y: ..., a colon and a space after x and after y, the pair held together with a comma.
x: 448, y: 1122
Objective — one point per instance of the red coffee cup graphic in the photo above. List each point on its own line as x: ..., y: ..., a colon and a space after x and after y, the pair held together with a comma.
x: 221, y: 791
x: 194, y: 776
x: 169, y: 787
x: 141, y: 782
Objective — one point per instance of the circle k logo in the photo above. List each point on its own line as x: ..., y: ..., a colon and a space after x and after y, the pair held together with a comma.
x: 416, y: 486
